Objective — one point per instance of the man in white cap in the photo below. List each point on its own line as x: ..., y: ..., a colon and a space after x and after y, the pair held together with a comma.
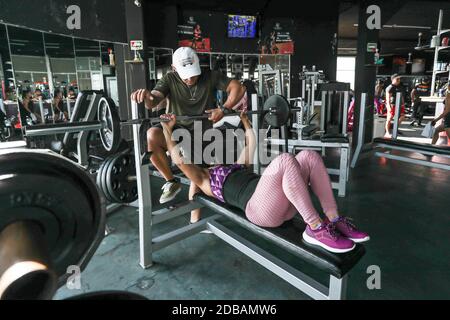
x: 190, y: 92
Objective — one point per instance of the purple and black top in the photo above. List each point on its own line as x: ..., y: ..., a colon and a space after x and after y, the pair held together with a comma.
x: 217, y: 176
x: 233, y: 184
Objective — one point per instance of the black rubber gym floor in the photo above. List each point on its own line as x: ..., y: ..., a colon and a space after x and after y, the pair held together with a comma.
x: 404, y: 207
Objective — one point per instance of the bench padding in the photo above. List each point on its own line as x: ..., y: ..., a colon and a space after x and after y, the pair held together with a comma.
x: 415, y: 146
x: 289, y: 237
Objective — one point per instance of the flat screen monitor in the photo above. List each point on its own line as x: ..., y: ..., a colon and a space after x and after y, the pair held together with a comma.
x: 241, y: 26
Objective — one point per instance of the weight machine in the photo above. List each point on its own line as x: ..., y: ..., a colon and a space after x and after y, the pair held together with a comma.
x: 313, y: 137
x: 310, y: 79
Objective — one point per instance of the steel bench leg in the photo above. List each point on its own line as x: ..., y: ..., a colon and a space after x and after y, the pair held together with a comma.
x: 338, y: 288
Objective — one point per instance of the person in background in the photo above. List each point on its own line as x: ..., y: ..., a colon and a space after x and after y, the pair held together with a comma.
x: 58, y: 106
x: 422, y: 89
x: 26, y: 109
x: 391, y: 94
x: 71, y: 94
x: 445, y: 126
x: 378, y: 96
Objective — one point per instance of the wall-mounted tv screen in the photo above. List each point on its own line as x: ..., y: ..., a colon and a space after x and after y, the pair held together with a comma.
x: 241, y: 26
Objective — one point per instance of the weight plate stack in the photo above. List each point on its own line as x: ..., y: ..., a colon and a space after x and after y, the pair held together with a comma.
x: 100, y: 179
x: 59, y: 196
x: 121, y: 179
x: 105, y: 179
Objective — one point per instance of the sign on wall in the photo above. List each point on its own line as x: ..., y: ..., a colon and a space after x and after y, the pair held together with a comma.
x: 278, y: 42
x: 191, y: 35
x: 136, y: 45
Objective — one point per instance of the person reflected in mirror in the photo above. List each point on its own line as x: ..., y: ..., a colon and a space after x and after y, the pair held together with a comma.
x: 26, y: 109
x: 378, y: 96
x: 71, y: 94
x: 58, y: 107
x: 37, y: 95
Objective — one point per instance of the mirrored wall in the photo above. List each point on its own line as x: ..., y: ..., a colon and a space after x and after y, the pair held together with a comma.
x: 42, y: 73
x: 246, y: 66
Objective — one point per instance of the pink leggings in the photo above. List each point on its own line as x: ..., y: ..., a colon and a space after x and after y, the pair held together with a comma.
x: 283, y: 190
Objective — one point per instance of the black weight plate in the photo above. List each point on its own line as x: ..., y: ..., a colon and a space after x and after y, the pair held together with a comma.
x: 58, y: 195
x: 111, y: 160
x: 48, y: 203
x: 108, y: 115
x: 104, y: 188
x: 104, y: 180
x: 119, y: 186
x: 283, y: 111
x: 100, y: 173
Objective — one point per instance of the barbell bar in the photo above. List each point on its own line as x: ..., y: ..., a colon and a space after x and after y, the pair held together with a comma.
x: 276, y: 111
x: 73, y: 127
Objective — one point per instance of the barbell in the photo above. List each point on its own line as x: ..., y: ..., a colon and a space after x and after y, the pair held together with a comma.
x: 276, y: 112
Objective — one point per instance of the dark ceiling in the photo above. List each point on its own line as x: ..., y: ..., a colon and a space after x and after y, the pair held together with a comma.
x: 413, y: 13
x: 268, y: 8
x: 399, y: 33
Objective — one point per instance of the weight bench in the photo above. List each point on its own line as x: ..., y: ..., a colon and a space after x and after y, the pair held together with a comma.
x: 288, y: 236
x: 415, y: 147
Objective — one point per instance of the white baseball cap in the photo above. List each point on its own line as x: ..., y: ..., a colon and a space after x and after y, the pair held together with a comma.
x: 186, y: 62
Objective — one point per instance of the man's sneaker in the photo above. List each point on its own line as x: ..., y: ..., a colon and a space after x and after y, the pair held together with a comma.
x: 348, y: 230
x: 328, y: 238
x: 170, y: 190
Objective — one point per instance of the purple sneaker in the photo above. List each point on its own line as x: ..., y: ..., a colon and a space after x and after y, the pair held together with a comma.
x: 328, y: 238
x: 348, y: 230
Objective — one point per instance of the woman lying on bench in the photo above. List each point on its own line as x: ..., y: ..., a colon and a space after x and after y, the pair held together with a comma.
x: 276, y: 196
